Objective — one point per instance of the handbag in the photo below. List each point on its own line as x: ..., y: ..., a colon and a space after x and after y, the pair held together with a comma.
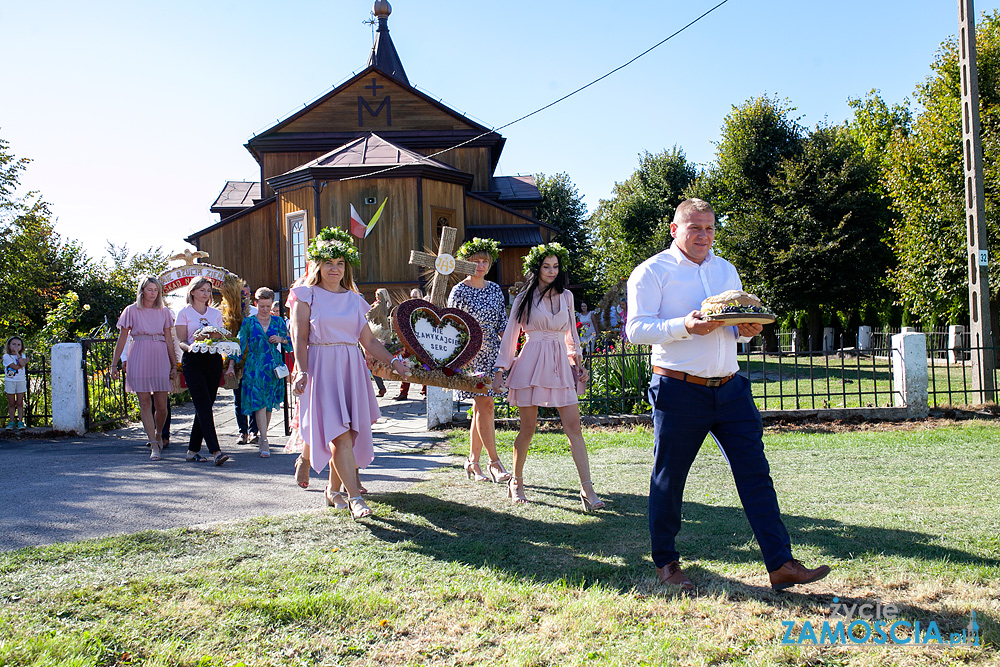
x: 281, y: 371
x: 581, y: 385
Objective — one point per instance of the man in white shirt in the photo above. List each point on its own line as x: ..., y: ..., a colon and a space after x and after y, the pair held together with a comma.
x: 695, y: 390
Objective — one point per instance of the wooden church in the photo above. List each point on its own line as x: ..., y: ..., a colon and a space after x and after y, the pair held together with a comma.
x: 372, y: 140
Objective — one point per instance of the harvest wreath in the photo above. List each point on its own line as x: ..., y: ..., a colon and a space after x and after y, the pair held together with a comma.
x: 439, y: 341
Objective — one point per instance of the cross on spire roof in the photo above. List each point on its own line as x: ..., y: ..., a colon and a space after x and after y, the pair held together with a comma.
x: 384, y: 54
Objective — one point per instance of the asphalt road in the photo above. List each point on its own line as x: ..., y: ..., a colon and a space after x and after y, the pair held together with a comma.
x: 71, y: 489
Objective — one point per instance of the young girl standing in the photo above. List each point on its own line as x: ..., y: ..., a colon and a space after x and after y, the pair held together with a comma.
x: 15, y: 380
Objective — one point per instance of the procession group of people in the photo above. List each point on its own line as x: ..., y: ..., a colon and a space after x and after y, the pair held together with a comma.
x: 695, y: 389
x: 147, y: 328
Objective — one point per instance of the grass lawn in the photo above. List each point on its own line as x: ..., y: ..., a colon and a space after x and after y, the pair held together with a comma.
x: 449, y: 573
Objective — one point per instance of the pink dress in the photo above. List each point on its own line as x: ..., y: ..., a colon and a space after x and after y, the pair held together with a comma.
x: 541, y: 374
x: 148, y: 366
x: 338, y: 394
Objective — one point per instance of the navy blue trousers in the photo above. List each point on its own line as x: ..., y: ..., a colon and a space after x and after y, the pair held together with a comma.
x: 683, y: 415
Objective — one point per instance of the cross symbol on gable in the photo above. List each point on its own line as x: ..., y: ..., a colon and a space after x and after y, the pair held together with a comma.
x: 374, y: 87
x: 444, y: 264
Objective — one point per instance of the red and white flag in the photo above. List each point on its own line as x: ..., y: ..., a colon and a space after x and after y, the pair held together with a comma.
x: 358, y: 227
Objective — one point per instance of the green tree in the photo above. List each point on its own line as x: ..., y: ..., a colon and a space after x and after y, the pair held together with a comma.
x: 801, y: 215
x: 923, y: 172
x: 563, y: 207
x: 828, y: 223
x: 50, y: 287
x: 635, y: 223
x: 756, y: 136
x: 36, y: 267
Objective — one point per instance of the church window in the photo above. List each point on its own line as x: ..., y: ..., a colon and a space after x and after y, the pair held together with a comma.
x: 297, y: 242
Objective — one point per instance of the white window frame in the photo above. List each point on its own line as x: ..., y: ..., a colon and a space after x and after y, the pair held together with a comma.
x: 297, y: 247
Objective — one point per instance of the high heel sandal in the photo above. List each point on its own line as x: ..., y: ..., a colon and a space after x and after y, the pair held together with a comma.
x: 585, y: 501
x: 362, y: 509
x: 470, y: 470
x: 302, y: 473
x: 264, y: 451
x: 498, y: 472
x: 335, y: 499
x: 154, y: 451
x: 515, y: 493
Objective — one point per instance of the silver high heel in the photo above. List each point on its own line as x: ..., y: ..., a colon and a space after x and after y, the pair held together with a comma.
x: 587, y: 505
x: 498, y: 472
x: 362, y: 509
x: 335, y: 499
x: 515, y: 490
x: 470, y: 470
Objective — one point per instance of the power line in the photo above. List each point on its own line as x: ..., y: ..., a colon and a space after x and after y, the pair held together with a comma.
x: 561, y: 99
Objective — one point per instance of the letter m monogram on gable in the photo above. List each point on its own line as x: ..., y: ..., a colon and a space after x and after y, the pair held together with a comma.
x: 363, y: 105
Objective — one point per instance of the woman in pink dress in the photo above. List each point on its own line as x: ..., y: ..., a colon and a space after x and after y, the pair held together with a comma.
x: 151, y: 363
x: 542, y: 374
x: 337, y: 406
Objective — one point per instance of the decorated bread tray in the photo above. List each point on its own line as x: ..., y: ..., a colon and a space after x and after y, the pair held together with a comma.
x: 215, y: 340
x: 735, y: 307
x: 741, y: 318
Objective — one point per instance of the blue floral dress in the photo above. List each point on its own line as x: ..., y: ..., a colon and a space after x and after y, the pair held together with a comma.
x: 262, y: 389
x: 486, y: 305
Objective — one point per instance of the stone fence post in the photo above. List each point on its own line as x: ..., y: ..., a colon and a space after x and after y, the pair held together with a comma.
x: 829, y: 340
x: 67, y: 388
x: 864, y: 338
x: 956, y: 344
x: 440, y: 406
x: 909, y: 373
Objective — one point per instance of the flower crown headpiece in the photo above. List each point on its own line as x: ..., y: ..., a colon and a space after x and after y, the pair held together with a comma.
x: 476, y: 245
x: 537, y: 255
x: 333, y: 243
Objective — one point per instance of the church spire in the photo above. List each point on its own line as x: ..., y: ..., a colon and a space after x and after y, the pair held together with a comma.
x: 384, y: 54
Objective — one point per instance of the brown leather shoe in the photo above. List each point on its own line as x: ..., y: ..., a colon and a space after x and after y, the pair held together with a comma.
x: 793, y: 572
x: 672, y: 575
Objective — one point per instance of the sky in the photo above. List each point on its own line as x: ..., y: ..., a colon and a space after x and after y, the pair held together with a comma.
x: 135, y: 114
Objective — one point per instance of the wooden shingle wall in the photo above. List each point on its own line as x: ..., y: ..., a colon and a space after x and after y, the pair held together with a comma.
x: 245, y: 247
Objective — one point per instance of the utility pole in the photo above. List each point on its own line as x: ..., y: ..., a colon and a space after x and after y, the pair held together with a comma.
x: 981, y: 334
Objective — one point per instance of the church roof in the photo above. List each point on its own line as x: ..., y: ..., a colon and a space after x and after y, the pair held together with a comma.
x: 236, y: 195
x: 515, y: 189
x: 509, y: 236
x: 384, y: 55
x: 365, y: 155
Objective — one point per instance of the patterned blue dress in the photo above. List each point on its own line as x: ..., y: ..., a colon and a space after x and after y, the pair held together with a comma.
x: 486, y: 305
x: 262, y: 389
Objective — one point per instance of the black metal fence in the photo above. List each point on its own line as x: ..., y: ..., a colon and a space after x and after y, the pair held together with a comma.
x: 845, y: 378
x: 106, y: 403
x: 38, y: 399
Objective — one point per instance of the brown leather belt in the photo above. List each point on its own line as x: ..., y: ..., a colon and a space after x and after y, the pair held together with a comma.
x: 693, y: 379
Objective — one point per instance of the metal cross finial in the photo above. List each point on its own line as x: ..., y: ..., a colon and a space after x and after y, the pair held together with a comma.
x: 444, y: 264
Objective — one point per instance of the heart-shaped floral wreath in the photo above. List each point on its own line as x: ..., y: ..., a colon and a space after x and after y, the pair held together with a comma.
x: 406, y: 317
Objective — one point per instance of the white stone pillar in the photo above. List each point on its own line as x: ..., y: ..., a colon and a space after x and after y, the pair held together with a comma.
x: 956, y: 343
x: 829, y: 340
x: 908, y: 330
x: 864, y: 339
x: 909, y: 373
x: 440, y: 406
x: 67, y: 388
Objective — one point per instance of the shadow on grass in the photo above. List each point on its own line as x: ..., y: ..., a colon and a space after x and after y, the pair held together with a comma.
x: 545, y: 542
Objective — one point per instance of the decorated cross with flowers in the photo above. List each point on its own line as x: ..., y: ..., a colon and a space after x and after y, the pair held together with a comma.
x: 444, y: 264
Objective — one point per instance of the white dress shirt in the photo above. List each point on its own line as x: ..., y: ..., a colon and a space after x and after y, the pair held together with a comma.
x: 661, y: 292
